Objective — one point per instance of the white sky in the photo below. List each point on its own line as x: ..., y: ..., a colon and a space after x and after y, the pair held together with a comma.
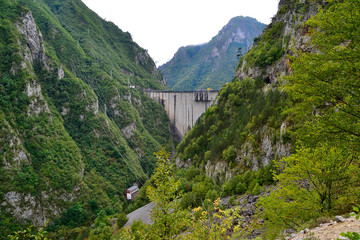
x: 163, y: 26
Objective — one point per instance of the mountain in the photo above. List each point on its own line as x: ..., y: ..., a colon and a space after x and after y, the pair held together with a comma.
x: 248, y: 128
x: 73, y: 134
x: 212, y: 64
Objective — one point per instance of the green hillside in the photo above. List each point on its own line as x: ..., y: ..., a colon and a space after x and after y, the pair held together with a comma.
x: 212, y: 64
x: 291, y: 113
x: 276, y: 155
x: 73, y: 134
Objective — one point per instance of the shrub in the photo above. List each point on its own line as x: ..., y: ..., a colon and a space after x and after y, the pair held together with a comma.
x: 232, y: 200
x: 240, y: 188
x: 256, y: 190
x: 122, y: 220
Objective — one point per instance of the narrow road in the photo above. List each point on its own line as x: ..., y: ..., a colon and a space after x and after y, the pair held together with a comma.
x: 142, y: 214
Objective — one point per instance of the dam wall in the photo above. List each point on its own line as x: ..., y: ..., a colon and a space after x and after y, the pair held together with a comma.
x: 183, y: 107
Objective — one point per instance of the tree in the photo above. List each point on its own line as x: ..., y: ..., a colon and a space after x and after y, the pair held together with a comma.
x: 325, y: 83
x: 171, y: 221
x: 214, y: 223
x: 314, y: 182
x: 322, y: 177
x: 121, y: 220
x: 169, y: 218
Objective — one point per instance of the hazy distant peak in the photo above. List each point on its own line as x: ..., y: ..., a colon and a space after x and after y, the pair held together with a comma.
x: 211, y: 64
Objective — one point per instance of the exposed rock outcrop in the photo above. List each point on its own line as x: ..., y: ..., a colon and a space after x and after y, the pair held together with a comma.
x: 37, y: 102
x: 294, y: 35
x: 17, y: 154
x: 36, y: 209
x: 35, y: 48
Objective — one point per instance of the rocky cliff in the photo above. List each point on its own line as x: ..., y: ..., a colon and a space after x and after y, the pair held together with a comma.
x: 73, y: 134
x: 268, y: 58
x: 211, y: 64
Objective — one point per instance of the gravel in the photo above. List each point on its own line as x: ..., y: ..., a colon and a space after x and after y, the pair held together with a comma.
x: 142, y: 214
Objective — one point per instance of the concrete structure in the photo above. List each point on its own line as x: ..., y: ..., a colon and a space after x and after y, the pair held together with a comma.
x: 183, y: 107
x: 132, y: 192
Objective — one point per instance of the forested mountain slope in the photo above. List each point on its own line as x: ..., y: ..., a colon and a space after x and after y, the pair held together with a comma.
x: 211, y: 64
x: 293, y: 107
x: 248, y: 127
x: 73, y: 134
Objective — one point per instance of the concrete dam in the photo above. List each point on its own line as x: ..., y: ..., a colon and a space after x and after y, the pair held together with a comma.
x: 183, y: 107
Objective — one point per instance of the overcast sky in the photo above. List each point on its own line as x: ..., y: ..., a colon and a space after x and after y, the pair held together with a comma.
x: 163, y: 26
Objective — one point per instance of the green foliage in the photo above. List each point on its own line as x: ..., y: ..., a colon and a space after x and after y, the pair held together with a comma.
x: 121, y: 220
x: 240, y: 188
x: 269, y: 48
x: 169, y: 219
x: 62, y: 135
x: 256, y: 189
x: 321, y: 178
x: 353, y: 235
x: 196, y: 188
x: 74, y: 216
x: 327, y: 80
x: 232, y: 200
x: 171, y: 222
x: 357, y: 211
x: 30, y: 233
x: 101, y: 228
x: 191, y: 173
x: 229, y: 154
x: 243, y: 108
x: 250, y: 182
x: 314, y: 182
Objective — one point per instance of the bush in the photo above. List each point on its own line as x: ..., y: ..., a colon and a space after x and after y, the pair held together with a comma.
x: 187, y: 200
x: 74, y: 216
x: 240, y: 188
x: 256, y: 190
x: 232, y: 200
x: 212, y: 195
x: 28, y: 234
x: 122, y: 220
x: 191, y: 173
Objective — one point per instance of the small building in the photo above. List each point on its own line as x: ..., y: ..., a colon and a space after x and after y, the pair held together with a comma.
x: 132, y: 192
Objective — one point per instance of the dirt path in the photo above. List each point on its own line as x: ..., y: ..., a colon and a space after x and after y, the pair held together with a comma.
x: 142, y: 214
x: 332, y: 230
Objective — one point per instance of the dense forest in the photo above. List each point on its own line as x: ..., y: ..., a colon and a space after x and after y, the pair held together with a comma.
x: 282, y: 138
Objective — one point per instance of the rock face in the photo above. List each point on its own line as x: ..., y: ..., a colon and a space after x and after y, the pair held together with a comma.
x: 37, y: 210
x: 211, y: 64
x: 291, y: 16
x: 17, y: 154
x: 34, y: 40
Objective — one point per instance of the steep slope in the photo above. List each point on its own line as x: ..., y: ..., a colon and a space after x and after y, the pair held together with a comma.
x: 72, y: 132
x: 248, y: 126
x: 267, y: 58
x: 211, y: 64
